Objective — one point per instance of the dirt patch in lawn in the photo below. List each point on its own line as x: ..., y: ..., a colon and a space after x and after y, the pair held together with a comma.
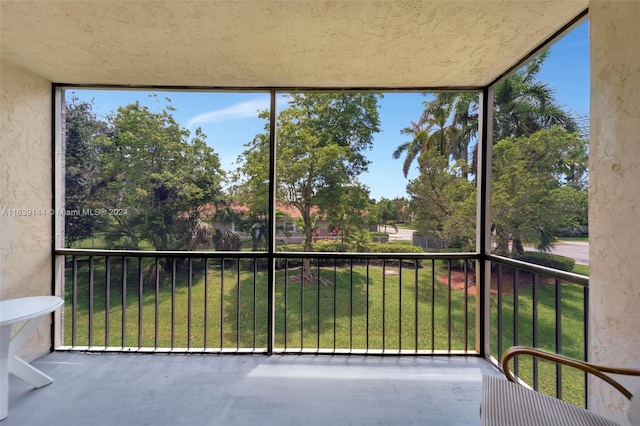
x: 524, y: 280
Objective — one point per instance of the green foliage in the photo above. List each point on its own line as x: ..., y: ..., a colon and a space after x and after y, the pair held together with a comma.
x: 394, y: 248
x: 538, y: 186
x: 330, y: 246
x: 159, y: 174
x: 83, y: 134
x: 360, y: 241
x: 549, y: 260
x: 322, y: 140
x: 444, y: 202
x: 531, y: 200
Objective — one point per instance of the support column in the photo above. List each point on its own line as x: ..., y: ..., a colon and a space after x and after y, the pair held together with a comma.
x: 614, y: 197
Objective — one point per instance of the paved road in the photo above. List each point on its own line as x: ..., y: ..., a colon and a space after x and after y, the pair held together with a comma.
x: 579, y: 251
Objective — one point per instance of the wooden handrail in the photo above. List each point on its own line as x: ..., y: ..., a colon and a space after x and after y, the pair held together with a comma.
x: 596, y: 370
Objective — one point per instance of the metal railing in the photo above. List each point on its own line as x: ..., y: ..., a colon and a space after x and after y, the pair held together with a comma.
x: 544, y: 308
x: 219, y: 302
x: 347, y: 303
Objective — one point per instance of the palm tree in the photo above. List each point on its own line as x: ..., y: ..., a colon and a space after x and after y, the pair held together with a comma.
x: 430, y: 130
x: 523, y: 105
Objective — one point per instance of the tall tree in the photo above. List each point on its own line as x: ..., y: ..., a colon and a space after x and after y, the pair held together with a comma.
x: 155, y: 170
x: 321, y: 143
x: 443, y: 201
x: 531, y: 197
x: 523, y: 105
x: 430, y: 130
x: 83, y: 135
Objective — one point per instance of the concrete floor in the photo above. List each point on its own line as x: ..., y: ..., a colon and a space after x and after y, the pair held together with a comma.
x: 167, y: 389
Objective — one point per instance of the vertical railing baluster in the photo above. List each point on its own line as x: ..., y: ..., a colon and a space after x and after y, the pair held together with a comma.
x: 585, y: 322
x: 90, y: 301
x: 157, y: 304
x: 384, y: 294
x: 238, y: 305
x: 286, y: 300
x: 74, y: 307
x: 399, y: 305
x: 350, y: 305
x: 449, y: 294
x: 189, y: 285
x: 433, y: 305
x: 466, y: 306
x: 206, y: 302
x: 107, y: 299
x: 318, y: 307
x: 140, y: 300
x: 416, y: 295
x: 221, y: 303
x: 255, y: 298
x: 516, y: 300
x: 367, y: 307
x: 499, y: 326
x: 123, y: 270
x: 302, y: 305
x: 173, y: 302
x: 535, y: 328
x: 335, y: 290
x: 558, y: 338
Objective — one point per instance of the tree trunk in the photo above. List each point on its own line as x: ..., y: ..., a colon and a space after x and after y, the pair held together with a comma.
x: 502, y: 242
x: 517, y: 248
x: 307, y: 275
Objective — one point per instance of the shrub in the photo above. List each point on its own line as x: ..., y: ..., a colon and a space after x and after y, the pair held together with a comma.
x: 549, y: 260
x: 329, y: 246
x: 394, y: 248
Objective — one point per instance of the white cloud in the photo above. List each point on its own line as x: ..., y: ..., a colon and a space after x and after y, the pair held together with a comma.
x: 247, y: 109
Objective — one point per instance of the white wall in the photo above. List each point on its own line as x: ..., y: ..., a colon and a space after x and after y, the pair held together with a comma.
x: 25, y: 184
x: 614, y: 199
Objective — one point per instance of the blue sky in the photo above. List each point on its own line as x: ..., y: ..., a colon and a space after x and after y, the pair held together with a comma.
x: 230, y: 119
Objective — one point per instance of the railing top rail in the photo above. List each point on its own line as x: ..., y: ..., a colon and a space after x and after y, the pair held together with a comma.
x: 542, y: 270
x: 263, y: 254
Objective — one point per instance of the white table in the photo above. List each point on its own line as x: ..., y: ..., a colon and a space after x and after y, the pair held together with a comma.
x: 28, y: 312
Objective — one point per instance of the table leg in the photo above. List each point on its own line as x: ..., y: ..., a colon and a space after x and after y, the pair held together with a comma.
x: 20, y: 368
x: 5, y: 338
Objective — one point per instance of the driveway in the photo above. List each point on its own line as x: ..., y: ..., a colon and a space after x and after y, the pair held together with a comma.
x: 401, y: 235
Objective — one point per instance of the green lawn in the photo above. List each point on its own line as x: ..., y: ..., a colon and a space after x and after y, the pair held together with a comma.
x: 571, y: 330
x: 576, y: 239
x: 581, y: 269
x: 306, y: 315
x: 365, y: 309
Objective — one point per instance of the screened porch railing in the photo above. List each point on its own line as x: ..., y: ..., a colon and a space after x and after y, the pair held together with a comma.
x: 324, y: 303
x: 219, y: 302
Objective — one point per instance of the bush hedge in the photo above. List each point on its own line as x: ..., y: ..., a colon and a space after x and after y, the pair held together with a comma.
x: 549, y: 260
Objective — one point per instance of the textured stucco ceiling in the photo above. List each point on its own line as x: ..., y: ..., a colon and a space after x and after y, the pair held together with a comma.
x: 278, y: 43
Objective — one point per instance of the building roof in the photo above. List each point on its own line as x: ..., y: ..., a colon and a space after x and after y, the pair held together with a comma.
x: 267, y: 43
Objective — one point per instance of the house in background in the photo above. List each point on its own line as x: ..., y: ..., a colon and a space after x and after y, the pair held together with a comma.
x: 237, y: 218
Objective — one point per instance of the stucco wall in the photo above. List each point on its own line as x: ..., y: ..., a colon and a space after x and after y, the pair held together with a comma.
x: 614, y: 200
x: 25, y: 184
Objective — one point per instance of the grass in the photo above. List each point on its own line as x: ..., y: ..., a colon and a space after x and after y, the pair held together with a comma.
x: 571, y: 330
x: 314, y: 315
x: 575, y: 239
x: 581, y: 269
x: 369, y: 307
